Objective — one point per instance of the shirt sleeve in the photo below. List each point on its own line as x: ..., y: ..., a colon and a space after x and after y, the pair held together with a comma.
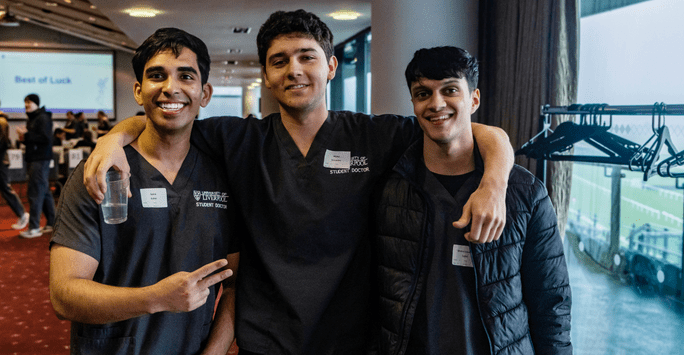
x: 546, y: 285
x: 78, y: 218
x: 212, y: 135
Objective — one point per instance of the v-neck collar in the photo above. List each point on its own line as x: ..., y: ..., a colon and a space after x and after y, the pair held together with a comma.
x: 319, y: 142
x: 183, y: 175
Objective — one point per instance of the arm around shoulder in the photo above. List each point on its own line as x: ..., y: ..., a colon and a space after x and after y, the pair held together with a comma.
x: 109, y: 153
x: 486, y: 207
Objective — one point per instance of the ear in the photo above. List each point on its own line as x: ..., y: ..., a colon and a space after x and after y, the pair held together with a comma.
x: 267, y: 83
x: 137, y: 93
x: 207, y: 91
x: 475, y: 99
x: 332, y: 67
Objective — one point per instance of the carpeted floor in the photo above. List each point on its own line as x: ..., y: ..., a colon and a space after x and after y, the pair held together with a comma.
x: 28, y: 324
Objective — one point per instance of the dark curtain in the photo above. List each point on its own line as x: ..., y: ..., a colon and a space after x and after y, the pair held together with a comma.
x: 529, y: 57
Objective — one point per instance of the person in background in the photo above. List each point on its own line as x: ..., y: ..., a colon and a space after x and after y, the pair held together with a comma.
x: 144, y: 286
x: 37, y: 138
x: 439, y: 293
x: 86, y: 141
x: 73, y: 126
x: 103, y: 125
x: 6, y: 190
x: 58, y: 137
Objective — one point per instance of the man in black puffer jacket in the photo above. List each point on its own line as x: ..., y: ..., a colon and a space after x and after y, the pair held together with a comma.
x: 440, y: 294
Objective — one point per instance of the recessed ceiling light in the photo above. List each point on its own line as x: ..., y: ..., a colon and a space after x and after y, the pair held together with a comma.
x: 50, y: 4
x: 93, y: 7
x: 344, y: 15
x: 67, y: 1
x: 143, y: 11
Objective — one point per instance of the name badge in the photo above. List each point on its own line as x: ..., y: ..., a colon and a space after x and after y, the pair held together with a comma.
x: 461, y: 256
x: 153, y: 198
x: 337, y: 160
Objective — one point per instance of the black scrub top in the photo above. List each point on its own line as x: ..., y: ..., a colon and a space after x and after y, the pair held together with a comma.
x: 305, y: 275
x: 447, y: 318
x: 198, y: 226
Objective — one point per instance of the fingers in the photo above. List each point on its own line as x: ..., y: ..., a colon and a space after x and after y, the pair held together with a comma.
x: 205, y: 270
x: 90, y: 179
x: 465, y: 218
x: 215, y: 278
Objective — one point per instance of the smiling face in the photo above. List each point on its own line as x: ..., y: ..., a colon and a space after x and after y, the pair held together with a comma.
x: 297, y: 73
x: 443, y: 108
x: 171, y: 91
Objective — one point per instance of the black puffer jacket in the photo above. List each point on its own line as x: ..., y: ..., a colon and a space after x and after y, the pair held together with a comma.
x: 38, y: 139
x: 522, y: 281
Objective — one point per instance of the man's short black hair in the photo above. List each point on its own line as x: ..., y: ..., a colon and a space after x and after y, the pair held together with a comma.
x: 174, y: 39
x: 443, y: 62
x: 297, y: 22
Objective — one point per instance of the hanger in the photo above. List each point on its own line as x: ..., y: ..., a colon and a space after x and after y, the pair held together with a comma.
x: 593, y: 128
x: 646, y: 156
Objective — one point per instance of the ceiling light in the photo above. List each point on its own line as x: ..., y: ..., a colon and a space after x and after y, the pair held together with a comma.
x: 244, y: 30
x: 67, y: 1
x: 344, y: 15
x: 8, y: 20
x: 143, y: 11
x: 51, y: 4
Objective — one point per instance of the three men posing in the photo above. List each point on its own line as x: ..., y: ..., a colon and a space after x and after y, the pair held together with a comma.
x: 305, y: 284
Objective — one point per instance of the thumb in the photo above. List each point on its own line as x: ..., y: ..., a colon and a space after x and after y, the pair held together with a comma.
x: 464, y: 220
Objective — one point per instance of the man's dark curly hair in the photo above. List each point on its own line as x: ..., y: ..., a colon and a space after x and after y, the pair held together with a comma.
x: 297, y: 22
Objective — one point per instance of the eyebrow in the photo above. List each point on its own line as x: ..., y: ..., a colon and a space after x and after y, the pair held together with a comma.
x: 448, y: 82
x: 282, y: 54
x: 159, y: 68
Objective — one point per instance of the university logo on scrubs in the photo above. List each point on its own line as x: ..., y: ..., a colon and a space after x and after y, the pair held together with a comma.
x: 341, y: 162
x: 215, y: 199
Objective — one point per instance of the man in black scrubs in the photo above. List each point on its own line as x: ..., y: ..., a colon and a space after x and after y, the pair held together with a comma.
x: 147, y: 285
x: 303, y: 180
x: 440, y: 294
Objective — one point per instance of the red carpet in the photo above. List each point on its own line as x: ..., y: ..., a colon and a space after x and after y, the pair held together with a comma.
x: 27, y: 322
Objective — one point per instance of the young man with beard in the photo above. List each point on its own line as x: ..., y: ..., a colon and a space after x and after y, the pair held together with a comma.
x: 147, y: 285
x: 439, y: 293
x: 303, y: 180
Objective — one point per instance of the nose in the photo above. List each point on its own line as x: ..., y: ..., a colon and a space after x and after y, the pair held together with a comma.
x: 437, y: 102
x: 294, y: 69
x: 171, y: 86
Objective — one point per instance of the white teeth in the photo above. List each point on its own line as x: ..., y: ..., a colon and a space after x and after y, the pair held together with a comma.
x: 297, y: 86
x: 170, y: 106
x: 440, y: 118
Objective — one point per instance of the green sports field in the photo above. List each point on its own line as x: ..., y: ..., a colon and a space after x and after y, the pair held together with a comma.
x: 656, y: 202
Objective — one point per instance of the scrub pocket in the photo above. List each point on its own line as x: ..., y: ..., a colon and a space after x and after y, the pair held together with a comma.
x: 107, y: 341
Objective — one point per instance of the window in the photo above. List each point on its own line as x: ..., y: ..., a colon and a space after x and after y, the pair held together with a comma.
x: 629, y: 300
x: 350, y: 90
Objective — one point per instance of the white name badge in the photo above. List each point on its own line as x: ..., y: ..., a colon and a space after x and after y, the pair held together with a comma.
x: 153, y: 198
x: 461, y: 256
x: 16, y: 158
x: 75, y: 156
x: 337, y: 160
